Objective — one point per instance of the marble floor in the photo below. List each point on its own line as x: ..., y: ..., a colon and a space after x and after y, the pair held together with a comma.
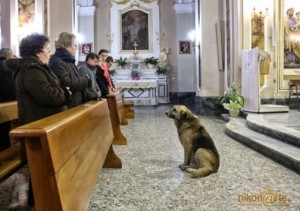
x: 151, y: 180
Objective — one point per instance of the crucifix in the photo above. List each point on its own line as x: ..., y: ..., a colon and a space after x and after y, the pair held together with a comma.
x: 135, y: 52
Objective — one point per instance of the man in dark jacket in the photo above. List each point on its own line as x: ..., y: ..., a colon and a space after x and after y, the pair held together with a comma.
x: 63, y: 65
x: 88, y: 69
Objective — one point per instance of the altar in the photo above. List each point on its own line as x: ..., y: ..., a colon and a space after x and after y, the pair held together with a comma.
x: 145, y: 91
x: 141, y: 92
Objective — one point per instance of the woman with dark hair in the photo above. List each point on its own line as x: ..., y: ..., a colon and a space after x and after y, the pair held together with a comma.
x: 39, y: 93
x: 63, y: 65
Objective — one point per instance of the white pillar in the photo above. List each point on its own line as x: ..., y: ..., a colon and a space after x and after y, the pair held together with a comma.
x: 86, y: 26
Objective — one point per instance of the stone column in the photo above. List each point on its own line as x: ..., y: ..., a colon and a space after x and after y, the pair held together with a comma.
x: 185, y: 67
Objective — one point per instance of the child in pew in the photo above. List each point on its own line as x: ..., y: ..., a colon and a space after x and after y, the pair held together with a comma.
x: 102, y: 74
x: 39, y: 93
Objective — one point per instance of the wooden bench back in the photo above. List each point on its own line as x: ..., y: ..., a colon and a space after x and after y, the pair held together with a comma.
x: 66, y: 153
x: 8, y: 111
x: 12, y: 158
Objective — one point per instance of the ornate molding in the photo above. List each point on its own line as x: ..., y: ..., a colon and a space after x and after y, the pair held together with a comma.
x: 122, y: 2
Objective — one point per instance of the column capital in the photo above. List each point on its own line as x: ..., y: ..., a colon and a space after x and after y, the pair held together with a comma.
x: 87, y: 11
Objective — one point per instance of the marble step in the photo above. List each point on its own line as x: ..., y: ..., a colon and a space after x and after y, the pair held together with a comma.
x: 282, y: 152
x: 270, y: 128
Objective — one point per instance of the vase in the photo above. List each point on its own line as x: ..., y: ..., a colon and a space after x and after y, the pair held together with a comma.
x: 135, y: 78
x: 234, y: 113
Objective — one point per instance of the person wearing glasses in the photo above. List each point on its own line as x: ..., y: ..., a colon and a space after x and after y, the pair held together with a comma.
x: 39, y: 93
x: 63, y: 65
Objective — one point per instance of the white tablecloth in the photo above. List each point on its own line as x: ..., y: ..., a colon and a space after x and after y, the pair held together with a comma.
x: 136, y: 84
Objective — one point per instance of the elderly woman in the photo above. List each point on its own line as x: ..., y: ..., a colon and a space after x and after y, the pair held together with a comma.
x: 63, y: 65
x: 39, y: 93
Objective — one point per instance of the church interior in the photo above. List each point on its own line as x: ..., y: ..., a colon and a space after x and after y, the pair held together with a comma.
x: 208, y: 55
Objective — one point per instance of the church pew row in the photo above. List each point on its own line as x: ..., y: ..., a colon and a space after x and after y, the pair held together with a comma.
x: 12, y: 158
x: 66, y: 153
x: 115, y: 104
x: 128, y: 110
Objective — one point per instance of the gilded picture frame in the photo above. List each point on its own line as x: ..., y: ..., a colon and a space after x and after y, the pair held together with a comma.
x: 289, y: 40
x: 136, y: 30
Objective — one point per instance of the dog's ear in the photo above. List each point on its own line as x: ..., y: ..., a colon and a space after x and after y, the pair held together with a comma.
x: 183, y: 114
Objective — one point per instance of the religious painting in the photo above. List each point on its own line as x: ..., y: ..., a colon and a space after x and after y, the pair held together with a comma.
x: 85, y: 48
x: 184, y: 47
x: 26, y: 17
x: 291, y: 33
x: 135, y: 30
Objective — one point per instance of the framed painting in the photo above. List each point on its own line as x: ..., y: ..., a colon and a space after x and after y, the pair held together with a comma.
x: 85, y: 48
x: 135, y: 30
x: 184, y: 47
x: 289, y: 39
x: 26, y: 17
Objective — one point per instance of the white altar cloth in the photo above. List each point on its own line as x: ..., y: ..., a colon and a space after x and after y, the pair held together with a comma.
x: 141, y: 92
x: 136, y: 84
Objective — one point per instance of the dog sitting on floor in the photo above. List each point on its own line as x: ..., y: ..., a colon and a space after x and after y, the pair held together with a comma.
x: 201, y: 157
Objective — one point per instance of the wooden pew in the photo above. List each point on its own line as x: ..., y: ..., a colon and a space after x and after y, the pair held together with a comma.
x: 115, y: 104
x: 12, y: 158
x: 66, y: 153
x: 128, y: 110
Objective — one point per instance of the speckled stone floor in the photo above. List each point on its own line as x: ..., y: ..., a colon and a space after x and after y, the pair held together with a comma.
x: 151, y: 180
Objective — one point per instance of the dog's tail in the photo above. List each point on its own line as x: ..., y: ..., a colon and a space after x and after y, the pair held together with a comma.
x: 201, y: 172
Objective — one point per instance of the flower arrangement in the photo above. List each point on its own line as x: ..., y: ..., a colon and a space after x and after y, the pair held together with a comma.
x: 122, y: 62
x: 135, y: 74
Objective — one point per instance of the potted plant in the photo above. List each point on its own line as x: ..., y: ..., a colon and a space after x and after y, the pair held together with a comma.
x: 121, y: 62
x: 233, y: 107
x: 112, y: 72
x: 232, y: 94
x: 161, y: 70
x: 151, y: 62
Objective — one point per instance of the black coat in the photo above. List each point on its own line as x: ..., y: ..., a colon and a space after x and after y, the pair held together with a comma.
x: 102, y: 82
x: 7, y: 86
x: 63, y: 65
x: 39, y: 93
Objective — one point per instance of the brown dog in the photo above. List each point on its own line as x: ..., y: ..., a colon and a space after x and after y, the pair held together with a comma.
x: 201, y: 157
